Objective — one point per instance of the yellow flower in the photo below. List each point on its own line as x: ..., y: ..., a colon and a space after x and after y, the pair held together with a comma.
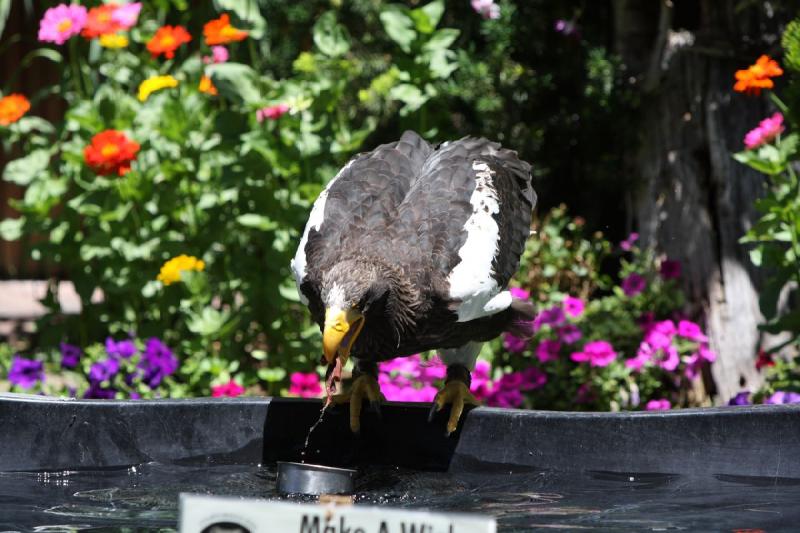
x: 113, y: 40
x: 171, y: 271
x: 207, y: 86
x: 155, y: 83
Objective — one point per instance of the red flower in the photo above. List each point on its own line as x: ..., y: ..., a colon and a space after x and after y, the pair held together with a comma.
x: 167, y: 39
x: 110, y: 152
x: 99, y: 21
x: 220, y: 31
x: 764, y: 359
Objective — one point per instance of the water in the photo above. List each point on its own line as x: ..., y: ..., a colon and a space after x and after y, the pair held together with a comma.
x: 145, y: 496
x: 310, y: 431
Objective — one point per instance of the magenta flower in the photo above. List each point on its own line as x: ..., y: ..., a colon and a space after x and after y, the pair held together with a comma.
x: 633, y: 284
x: 690, y: 330
x: 432, y: 370
x: 410, y: 379
x: 628, y: 243
x: 481, y: 380
x: 219, y: 54
x: 273, y: 112
x: 596, y: 353
x: 519, y: 294
x: 552, y: 317
x: 61, y: 22
x: 695, y: 361
x: 547, y: 350
x: 766, y: 131
x: 658, y: 405
x: 574, y: 306
x: 670, y: 359
x: 486, y: 8
x: 70, y: 355
x: 670, y: 269
x: 25, y: 373
x: 643, y: 356
x: 570, y: 333
x: 126, y: 15
x: 305, y: 384
x: 514, y: 344
x: 230, y: 389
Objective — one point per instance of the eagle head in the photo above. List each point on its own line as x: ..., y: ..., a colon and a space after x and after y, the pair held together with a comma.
x: 353, y: 292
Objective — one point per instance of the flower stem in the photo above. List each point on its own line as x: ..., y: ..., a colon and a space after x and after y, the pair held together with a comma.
x: 76, y: 69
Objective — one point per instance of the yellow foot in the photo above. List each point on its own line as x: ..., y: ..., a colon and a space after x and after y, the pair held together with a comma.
x: 364, y: 385
x: 457, y: 393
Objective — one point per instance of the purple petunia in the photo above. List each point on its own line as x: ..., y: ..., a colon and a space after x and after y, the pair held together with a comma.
x: 124, y: 349
x: 779, y: 397
x: 95, y: 391
x: 742, y: 398
x: 690, y: 330
x: 70, y: 355
x: 547, y: 350
x: 103, y: 371
x: 628, y: 243
x: 25, y: 373
x: 514, y: 344
x: 570, y: 333
x: 633, y: 284
x: 574, y: 306
x: 157, y: 362
x: 661, y: 404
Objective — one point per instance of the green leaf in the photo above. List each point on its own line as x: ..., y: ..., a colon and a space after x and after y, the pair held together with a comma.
x: 399, y: 26
x: 428, y: 16
x: 208, y: 323
x: 247, y: 11
x: 24, y: 170
x: 235, y: 81
x: 271, y: 374
x: 5, y: 9
x: 789, y: 322
x: 441, y: 40
x: 11, y: 229
x: 768, y: 299
x: 331, y: 37
x: 253, y: 220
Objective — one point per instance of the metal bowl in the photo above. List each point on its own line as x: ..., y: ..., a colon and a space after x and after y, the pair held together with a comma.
x: 303, y: 478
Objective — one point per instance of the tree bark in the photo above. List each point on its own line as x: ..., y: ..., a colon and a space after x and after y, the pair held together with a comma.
x: 695, y: 201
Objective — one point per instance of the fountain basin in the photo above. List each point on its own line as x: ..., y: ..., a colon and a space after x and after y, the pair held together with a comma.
x: 103, y: 463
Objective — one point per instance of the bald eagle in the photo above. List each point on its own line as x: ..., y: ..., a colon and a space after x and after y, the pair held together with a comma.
x: 409, y: 248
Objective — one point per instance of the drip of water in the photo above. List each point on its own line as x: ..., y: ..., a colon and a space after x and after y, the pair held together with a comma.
x: 310, y: 431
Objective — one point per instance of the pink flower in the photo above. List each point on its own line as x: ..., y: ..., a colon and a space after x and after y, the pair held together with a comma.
x: 230, y: 389
x: 219, y: 54
x: 584, y: 394
x: 432, y: 370
x: 532, y: 378
x: 481, y: 380
x: 670, y: 269
x: 62, y: 22
x: 696, y: 361
x: 513, y: 343
x: 519, y: 294
x: 305, y: 384
x: 569, y: 333
x: 627, y: 244
x: 665, y: 327
x: 767, y: 129
x: 486, y: 8
x: 658, y: 405
x: 553, y: 317
x: 671, y: 360
x: 643, y: 355
x: 126, y: 15
x: 574, y: 306
x: 597, y: 353
x: 633, y: 284
x: 548, y: 350
x: 690, y: 330
x: 273, y: 112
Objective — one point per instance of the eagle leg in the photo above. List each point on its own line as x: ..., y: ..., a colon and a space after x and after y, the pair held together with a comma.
x: 456, y: 392
x: 364, y: 385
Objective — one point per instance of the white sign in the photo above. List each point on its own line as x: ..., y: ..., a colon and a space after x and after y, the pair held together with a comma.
x: 212, y: 514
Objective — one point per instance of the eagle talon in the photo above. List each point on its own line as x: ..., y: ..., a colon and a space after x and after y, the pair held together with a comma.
x: 456, y: 393
x: 364, y: 386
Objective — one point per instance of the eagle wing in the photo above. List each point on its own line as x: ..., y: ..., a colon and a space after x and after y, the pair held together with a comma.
x: 455, y: 218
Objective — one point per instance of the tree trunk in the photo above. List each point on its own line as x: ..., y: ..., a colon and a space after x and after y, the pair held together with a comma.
x: 695, y: 201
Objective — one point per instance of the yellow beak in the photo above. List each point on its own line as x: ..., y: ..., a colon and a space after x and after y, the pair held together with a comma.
x: 340, y: 332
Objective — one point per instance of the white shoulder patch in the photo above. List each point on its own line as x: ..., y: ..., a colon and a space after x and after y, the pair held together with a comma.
x: 315, y: 220
x: 471, y: 280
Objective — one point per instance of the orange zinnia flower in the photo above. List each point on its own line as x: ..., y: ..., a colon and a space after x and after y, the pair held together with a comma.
x: 220, y: 31
x: 12, y: 107
x: 99, y: 21
x: 757, y: 76
x: 167, y: 39
x: 110, y: 152
x: 207, y: 86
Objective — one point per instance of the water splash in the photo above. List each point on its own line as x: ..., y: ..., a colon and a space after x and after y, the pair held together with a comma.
x: 311, y: 430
